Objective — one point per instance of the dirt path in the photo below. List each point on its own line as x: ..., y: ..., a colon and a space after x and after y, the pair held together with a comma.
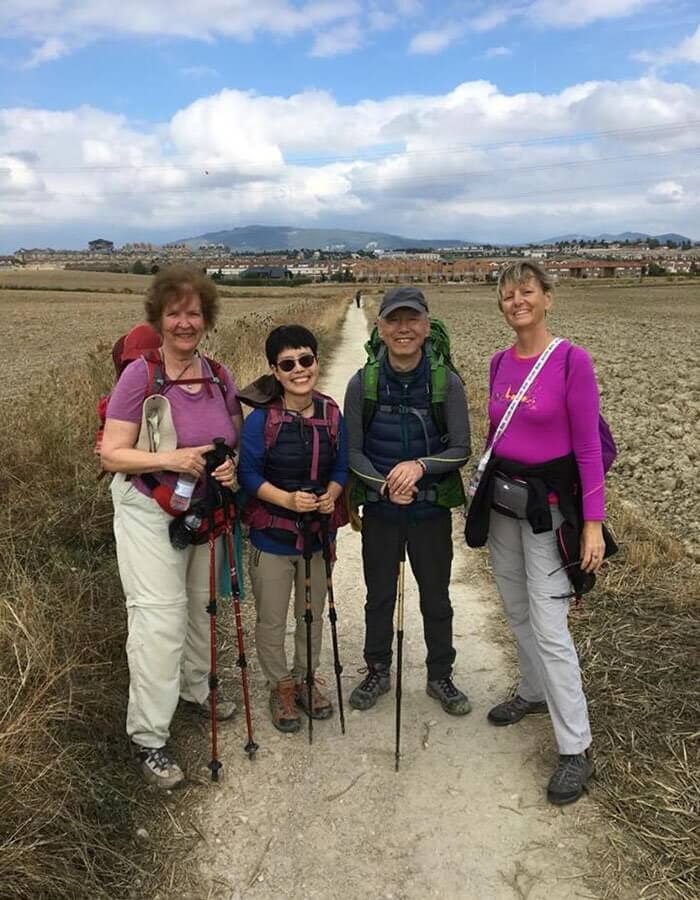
x: 465, y: 817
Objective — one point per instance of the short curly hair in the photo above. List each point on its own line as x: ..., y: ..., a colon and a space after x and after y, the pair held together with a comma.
x: 175, y: 283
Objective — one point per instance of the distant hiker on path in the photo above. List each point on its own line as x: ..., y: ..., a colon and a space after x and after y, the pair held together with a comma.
x: 167, y: 589
x: 408, y: 433
x: 546, y: 469
x: 293, y: 467
x: 358, y: 299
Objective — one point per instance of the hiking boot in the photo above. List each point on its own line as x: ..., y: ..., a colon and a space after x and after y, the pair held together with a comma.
x: 157, y: 766
x: 225, y: 707
x: 375, y: 683
x: 511, y: 711
x: 283, y: 707
x: 322, y: 706
x: 452, y: 700
x: 570, y: 778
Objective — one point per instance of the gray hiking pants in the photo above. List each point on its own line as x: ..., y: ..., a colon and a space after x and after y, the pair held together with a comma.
x: 549, y: 667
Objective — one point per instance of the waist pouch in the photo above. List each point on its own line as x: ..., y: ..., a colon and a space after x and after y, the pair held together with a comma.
x: 509, y: 496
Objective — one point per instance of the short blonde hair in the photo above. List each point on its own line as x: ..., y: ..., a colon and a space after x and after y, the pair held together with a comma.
x: 175, y: 283
x: 519, y: 273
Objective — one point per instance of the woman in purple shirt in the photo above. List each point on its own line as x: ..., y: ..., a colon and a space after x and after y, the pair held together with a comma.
x: 167, y: 589
x: 546, y: 467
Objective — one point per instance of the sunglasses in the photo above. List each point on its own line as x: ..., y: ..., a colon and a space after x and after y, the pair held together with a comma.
x: 288, y: 365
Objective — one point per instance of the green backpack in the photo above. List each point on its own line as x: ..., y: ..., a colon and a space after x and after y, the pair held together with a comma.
x: 450, y: 490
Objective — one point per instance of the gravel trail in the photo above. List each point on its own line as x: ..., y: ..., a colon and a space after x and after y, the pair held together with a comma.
x: 466, y: 816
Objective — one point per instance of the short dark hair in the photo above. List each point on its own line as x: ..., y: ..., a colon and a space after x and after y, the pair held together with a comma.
x: 174, y: 283
x: 288, y: 337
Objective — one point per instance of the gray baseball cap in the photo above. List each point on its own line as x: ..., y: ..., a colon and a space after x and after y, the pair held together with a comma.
x: 407, y: 296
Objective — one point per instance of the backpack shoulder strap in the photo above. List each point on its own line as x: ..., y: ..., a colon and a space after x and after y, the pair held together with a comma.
x: 331, y: 415
x: 156, y: 373
x: 216, y: 370
x: 370, y: 378
x: 274, y: 417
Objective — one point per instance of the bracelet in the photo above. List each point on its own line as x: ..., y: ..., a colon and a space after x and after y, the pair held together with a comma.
x: 422, y: 465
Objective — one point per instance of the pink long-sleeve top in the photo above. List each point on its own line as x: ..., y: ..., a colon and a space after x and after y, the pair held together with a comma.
x: 558, y: 415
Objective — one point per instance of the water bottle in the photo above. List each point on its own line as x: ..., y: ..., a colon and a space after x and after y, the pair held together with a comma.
x: 182, y: 495
x: 183, y: 529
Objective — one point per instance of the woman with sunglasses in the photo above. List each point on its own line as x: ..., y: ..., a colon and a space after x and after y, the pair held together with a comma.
x: 546, y: 468
x: 293, y: 467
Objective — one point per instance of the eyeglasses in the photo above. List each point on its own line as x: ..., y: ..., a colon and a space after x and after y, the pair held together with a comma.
x: 288, y: 365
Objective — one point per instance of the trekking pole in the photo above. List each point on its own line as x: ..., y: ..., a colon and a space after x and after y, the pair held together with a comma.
x: 308, y: 615
x: 241, y: 662
x: 332, y: 617
x: 215, y: 764
x: 399, y: 646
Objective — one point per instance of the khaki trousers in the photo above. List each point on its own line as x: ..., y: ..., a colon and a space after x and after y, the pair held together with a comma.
x: 272, y: 577
x: 167, y: 593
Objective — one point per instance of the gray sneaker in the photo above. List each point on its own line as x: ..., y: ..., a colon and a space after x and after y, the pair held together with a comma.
x: 570, y: 778
x: 452, y: 700
x: 375, y: 683
x: 225, y: 707
x: 157, y: 766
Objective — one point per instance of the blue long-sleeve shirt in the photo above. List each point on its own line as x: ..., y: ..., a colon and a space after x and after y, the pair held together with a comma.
x: 251, y: 474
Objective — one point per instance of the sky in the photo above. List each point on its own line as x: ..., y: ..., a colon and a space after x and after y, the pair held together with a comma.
x: 506, y: 121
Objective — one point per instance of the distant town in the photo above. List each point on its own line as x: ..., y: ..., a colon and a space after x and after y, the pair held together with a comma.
x: 478, y: 263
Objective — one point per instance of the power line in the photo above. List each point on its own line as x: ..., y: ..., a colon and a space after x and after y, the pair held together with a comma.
x: 376, y: 183
x: 641, y: 131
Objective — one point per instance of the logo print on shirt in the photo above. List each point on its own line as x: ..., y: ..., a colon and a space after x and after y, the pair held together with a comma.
x: 530, y: 400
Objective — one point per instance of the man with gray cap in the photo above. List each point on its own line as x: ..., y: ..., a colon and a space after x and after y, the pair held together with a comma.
x: 408, y: 435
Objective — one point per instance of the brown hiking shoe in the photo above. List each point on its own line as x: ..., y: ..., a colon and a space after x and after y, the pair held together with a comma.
x: 283, y: 707
x: 323, y: 708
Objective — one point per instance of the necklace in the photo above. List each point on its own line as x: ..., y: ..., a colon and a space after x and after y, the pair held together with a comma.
x: 300, y: 412
x: 188, y: 387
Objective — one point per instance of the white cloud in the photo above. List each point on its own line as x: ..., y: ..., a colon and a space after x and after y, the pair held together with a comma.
x: 436, y: 40
x: 50, y: 50
x: 666, y: 192
x: 497, y: 52
x: 473, y: 162
x: 336, y: 41
x: 687, y: 51
x: 59, y: 24
x: 491, y: 19
x: 574, y: 14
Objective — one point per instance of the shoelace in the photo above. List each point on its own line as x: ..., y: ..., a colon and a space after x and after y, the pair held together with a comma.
x: 447, y: 687
x: 569, y: 766
x: 159, y: 759
x: 371, y: 679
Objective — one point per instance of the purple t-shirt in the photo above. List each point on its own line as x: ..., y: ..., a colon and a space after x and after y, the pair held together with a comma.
x: 198, y: 418
x: 555, y: 417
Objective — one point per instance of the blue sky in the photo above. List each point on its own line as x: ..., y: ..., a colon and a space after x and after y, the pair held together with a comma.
x: 493, y: 121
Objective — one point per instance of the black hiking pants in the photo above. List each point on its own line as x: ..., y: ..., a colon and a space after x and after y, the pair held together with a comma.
x: 429, y: 551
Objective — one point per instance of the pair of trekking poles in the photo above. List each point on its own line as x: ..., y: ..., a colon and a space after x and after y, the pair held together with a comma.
x: 333, y: 617
x: 216, y: 492
x: 308, y: 538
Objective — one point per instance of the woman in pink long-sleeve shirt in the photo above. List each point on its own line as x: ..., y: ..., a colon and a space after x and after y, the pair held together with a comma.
x: 555, y: 425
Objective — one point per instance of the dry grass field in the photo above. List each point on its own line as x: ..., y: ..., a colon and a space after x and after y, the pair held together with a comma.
x: 52, y: 319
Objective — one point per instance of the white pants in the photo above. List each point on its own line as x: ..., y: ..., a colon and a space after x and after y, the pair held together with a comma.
x: 549, y: 667
x: 167, y: 594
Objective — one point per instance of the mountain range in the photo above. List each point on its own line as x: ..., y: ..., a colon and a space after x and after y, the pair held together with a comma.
x: 618, y: 238
x: 260, y: 238
x: 256, y: 238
